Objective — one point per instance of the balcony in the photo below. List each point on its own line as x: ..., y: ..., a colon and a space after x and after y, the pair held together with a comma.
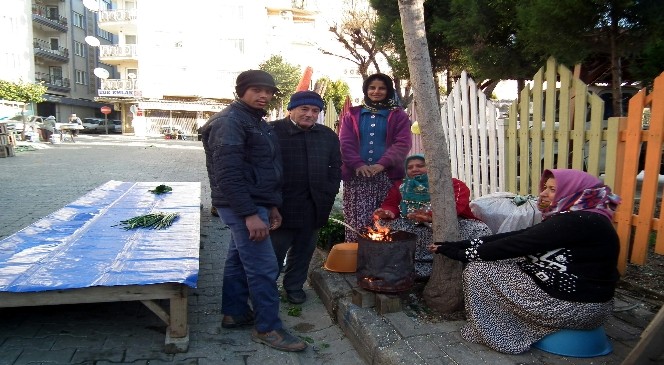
x: 119, y: 88
x: 115, y: 21
x: 53, y: 82
x: 42, y: 15
x: 116, y: 54
x: 49, y: 52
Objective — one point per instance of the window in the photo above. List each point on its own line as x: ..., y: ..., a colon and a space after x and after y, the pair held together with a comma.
x: 105, y: 5
x: 104, y: 34
x: 79, y: 49
x: 130, y: 39
x: 52, y: 13
x: 55, y: 75
x: 132, y: 73
x: 81, y: 77
x: 237, y: 44
x: 55, y: 44
x: 77, y: 20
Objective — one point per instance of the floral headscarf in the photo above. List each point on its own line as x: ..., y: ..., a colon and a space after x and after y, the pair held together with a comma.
x: 578, y: 190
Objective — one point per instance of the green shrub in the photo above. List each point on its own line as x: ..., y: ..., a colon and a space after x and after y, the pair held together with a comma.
x: 332, y: 232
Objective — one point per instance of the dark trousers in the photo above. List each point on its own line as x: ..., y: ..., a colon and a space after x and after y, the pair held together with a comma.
x: 296, y: 246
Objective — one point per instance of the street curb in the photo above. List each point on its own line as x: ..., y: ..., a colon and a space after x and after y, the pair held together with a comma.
x: 372, y: 336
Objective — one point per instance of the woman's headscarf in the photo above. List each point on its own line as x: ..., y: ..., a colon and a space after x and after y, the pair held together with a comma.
x: 415, y: 193
x: 578, y: 190
x: 390, y: 101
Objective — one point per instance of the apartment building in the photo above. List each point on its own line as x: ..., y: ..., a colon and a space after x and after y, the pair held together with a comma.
x: 62, y: 59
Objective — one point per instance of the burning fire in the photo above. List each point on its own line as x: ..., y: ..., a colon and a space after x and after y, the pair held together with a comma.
x: 379, y: 233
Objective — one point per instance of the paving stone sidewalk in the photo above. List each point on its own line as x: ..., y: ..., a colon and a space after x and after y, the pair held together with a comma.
x: 45, y: 178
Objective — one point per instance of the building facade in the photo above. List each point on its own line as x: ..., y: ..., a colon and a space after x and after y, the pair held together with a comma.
x: 44, y: 42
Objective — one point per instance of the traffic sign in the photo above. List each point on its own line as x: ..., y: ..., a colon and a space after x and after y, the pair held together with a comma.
x: 106, y: 110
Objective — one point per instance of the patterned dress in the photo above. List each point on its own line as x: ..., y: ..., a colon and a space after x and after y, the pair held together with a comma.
x: 508, y: 312
x: 361, y: 196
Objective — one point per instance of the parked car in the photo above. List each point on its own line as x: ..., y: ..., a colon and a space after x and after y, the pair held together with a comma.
x: 114, y: 126
x: 90, y: 125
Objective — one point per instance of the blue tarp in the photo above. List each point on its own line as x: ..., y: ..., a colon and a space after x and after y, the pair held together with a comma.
x: 79, y: 246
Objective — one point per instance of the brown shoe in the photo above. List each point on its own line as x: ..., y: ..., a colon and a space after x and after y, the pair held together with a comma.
x: 279, y: 339
x: 238, y: 321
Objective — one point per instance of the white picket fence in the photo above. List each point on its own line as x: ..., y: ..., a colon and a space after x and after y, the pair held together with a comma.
x: 475, y: 138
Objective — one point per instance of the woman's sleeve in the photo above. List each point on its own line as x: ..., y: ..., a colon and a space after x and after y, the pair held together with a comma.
x: 350, y: 143
x: 393, y: 199
x: 401, y: 143
x: 553, y: 233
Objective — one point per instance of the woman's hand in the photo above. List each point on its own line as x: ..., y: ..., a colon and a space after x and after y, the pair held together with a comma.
x: 369, y: 171
x: 381, y: 213
x: 433, y: 247
x: 421, y: 216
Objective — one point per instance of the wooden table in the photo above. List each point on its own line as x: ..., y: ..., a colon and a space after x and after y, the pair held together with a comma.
x: 78, y: 254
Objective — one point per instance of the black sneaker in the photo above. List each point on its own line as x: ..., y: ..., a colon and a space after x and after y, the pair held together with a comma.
x: 214, y: 212
x: 280, y: 340
x: 296, y: 297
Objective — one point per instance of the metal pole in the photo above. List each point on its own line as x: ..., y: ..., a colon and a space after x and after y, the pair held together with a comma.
x: 106, y: 122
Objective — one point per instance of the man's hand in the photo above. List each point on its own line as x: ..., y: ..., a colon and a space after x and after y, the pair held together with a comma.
x: 275, y: 218
x: 258, y: 230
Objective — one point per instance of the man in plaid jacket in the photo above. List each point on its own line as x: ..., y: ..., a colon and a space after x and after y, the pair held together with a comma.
x: 312, y: 174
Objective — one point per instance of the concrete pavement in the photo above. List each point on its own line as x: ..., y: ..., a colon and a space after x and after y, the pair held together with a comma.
x: 38, y: 182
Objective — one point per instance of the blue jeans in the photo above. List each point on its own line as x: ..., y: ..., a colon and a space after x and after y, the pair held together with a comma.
x: 250, y: 271
x: 300, y: 245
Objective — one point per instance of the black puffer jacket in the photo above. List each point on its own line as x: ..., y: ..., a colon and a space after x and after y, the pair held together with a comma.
x: 243, y: 159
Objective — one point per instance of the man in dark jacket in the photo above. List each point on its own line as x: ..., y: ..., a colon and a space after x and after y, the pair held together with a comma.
x: 312, y: 172
x: 245, y: 173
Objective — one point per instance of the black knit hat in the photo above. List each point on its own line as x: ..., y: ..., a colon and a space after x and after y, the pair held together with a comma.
x: 384, y: 78
x: 305, y: 98
x: 254, y: 78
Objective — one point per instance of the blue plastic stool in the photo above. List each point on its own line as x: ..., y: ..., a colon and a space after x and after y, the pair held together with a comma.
x: 576, y: 343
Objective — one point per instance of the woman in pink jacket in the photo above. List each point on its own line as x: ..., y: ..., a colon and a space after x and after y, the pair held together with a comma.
x: 375, y: 140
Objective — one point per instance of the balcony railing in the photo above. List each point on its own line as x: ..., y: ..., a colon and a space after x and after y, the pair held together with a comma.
x: 126, y: 50
x: 44, y: 49
x: 117, y: 15
x: 119, y: 88
x: 53, y: 81
x: 42, y: 15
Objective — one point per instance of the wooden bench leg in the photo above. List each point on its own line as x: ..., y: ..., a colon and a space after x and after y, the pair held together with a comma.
x: 177, y: 333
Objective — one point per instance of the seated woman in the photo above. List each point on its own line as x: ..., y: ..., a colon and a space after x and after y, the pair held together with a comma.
x: 558, y: 274
x: 407, y: 207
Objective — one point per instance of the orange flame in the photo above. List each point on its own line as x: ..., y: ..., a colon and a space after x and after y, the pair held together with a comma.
x: 380, y: 233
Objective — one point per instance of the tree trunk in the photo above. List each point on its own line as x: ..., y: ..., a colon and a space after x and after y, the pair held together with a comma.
x: 616, y: 71
x: 443, y: 292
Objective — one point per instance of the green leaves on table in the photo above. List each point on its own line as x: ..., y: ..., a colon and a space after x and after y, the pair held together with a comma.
x: 161, y: 189
x: 156, y: 220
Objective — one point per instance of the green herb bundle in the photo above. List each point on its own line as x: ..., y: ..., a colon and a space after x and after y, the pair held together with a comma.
x: 157, y: 220
x: 161, y: 189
